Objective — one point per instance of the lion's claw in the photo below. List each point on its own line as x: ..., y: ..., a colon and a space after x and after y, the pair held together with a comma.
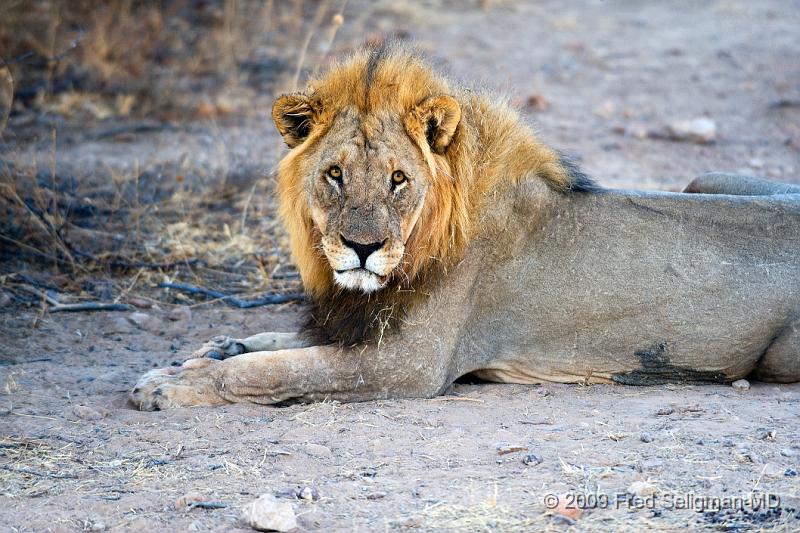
x: 220, y: 347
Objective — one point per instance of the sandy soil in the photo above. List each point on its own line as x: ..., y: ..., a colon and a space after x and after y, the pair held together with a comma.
x: 74, y: 455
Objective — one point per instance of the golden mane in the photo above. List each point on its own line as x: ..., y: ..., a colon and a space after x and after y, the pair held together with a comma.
x: 490, y: 144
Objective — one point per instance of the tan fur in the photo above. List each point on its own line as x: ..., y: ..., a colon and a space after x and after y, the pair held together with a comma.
x: 461, y: 177
x: 500, y: 268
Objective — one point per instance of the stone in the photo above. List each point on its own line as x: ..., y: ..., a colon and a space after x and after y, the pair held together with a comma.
x: 88, y: 413
x: 188, y: 499
x: 180, y: 313
x: 741, y: 385
x: 646, y: 437
x: 701, y: 130
x: 140, y: 303
x: 308, y: 493
x: 317, y: 450
x: 531, y: 460
x: 267, y: 513
x: 641, y: 488
x: 765, y: 433
x: 139, y: 319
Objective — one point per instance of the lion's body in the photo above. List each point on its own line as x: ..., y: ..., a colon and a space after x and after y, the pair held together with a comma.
x: 513, y: 266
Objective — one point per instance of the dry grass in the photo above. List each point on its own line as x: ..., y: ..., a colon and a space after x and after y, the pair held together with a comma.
x: 132, y: 67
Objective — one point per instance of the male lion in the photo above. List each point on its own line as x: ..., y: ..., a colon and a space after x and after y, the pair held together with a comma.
x: 437, y: 237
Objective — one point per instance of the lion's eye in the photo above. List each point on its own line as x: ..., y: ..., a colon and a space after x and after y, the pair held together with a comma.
x: 398, y: 178
x: 335, y: 173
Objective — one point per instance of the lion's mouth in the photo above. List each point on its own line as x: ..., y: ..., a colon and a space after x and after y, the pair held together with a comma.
x: 382, y: 279
x: 360, y: 279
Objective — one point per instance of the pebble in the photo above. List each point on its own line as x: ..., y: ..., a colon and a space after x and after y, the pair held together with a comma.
x: 741, y: 385
x: 140, y: 303
x: 641, y: 488
x: 504, y: 450
x: 765, y: 433
x: 532, y: 460
x: 179, y: 313
x: 788, y: 452
x: 646, y: 437
x: 308, y: 493
x: 701, y: 130
x: 118, y: 325
x: 790, y: 472
x: 376, y: 495
x: 188, y: 499
x: 566, y: 507
x: 318, y: 450
x: 88, y: 413
x: 139, y: 319
x: 267, y: 513
x: 745, y: 454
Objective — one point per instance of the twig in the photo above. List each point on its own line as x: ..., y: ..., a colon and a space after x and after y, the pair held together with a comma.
x: 32, y: 472
x: 207, y: 505
x: 232, y: 300
x: 56, y: 307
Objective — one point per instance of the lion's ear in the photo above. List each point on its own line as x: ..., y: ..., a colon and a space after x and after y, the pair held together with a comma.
x: 434, y: 119
x: 293, y: 114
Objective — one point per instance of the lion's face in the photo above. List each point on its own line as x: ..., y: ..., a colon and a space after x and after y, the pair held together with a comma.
x: 366, y: 186
x: 365, y: 178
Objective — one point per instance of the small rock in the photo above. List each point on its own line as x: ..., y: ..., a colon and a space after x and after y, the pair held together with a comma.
x: 700, y: 130
x: 267, y: 513
x: 765, y: 433
x: 188, y: 499
x: 376, y: 495
x: 140, y: 303
x: 745, y: 454
x: 727, y: 443
x: 503, y: 450
x: 408, y: 522
x: 532, y: 460
x: 118, y: 325
x: 139, y: 319
x: 651, y: 464
x: 94, y: 525
x: 790, y: 472
x: 646, y: 437
x: 788, y: 452
x: 308, y: 493
x: 566, y: 507
x: 756, y: 163
x: 641, y: 488
x: 741, y: 385
x: 538, y: 102
x: 88, y: 413
x: 318, y: 450
x: 664, y: 411
x: 179, y: 313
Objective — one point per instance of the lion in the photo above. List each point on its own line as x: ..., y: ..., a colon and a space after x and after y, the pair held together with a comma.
x: 437, y: 237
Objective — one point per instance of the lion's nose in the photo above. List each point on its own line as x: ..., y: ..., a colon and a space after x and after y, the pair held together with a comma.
x: 363, y: 250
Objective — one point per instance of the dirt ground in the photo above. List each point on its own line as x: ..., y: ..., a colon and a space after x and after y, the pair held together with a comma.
x: 596, y: 78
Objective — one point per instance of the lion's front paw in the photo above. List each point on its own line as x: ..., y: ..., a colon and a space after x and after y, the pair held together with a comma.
x: 220, y: 347
x: 189, y: 385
